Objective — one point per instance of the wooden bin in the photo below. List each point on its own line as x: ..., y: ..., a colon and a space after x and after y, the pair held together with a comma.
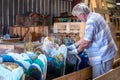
x: 113, y: 74
x: 116, y: 63
x: 78, y: 75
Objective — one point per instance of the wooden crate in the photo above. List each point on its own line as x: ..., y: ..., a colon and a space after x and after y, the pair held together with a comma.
x: 11, y: 46
x: 6, y: 46
x: 69, y: 27
x: 21, y: 30
x: 83, y: 74
x: 113, y: 74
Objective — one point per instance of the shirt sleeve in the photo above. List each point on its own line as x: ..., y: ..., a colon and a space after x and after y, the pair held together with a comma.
x: 89, y: 31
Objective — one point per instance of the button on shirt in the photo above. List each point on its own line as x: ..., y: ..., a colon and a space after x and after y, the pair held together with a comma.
x: 102, y: 47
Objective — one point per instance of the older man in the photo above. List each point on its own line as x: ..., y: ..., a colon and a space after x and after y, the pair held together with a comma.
x: 97, y: 40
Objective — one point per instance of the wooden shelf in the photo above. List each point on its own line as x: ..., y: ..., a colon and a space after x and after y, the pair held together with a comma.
x: 65, y: 19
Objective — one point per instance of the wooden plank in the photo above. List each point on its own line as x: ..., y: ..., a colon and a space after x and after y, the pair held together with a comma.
x: 24, y: 30
x: 86, y: 2
x: 78, y: 75
x: 32, y: 29
x: 114, y: 74
x: 37, y: 29
x: 2, y: 46
x: 107, y: 17
x: 117, y: 24
x: 105, y: 4
x: 82, y: 30
x: 90, y: 6
x: 11, y: 30
x: 14, y: 30
x: 6, y: 46
x: 99, y: 3
x: 86, y: 73
x: 116, y: 63
x: 118, y: 45
x: 93, y: 5
x: 18, y: 30
x: 83, y: 74
x: 117, y: 31
x: 111, y: 1
x: 71, y: 76
x: 102, y: 11
x: 61, y: 78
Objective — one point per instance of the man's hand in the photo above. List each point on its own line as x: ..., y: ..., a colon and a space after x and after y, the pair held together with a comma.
x: 74, y: 51
x: 84, y: 44
x: 71, y: 47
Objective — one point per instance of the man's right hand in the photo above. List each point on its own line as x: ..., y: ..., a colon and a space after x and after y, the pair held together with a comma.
x: 74, y: 51
x: 71, y: 47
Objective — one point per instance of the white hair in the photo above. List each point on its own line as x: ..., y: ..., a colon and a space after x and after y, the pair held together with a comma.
x: 80, y: 8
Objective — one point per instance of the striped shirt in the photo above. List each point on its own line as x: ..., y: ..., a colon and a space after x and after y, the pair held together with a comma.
x: 102, y: 47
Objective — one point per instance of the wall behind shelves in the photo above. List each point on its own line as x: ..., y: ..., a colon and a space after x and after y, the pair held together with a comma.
x: 10, y: 8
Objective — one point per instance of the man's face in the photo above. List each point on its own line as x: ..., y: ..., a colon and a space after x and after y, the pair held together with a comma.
x: 81, y: 17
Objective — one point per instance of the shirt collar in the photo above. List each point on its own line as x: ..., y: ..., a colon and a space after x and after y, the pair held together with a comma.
x: 89, y: 15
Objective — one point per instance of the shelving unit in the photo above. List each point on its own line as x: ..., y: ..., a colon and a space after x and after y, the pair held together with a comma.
x: 65, y: 19
x: 99, y: 6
